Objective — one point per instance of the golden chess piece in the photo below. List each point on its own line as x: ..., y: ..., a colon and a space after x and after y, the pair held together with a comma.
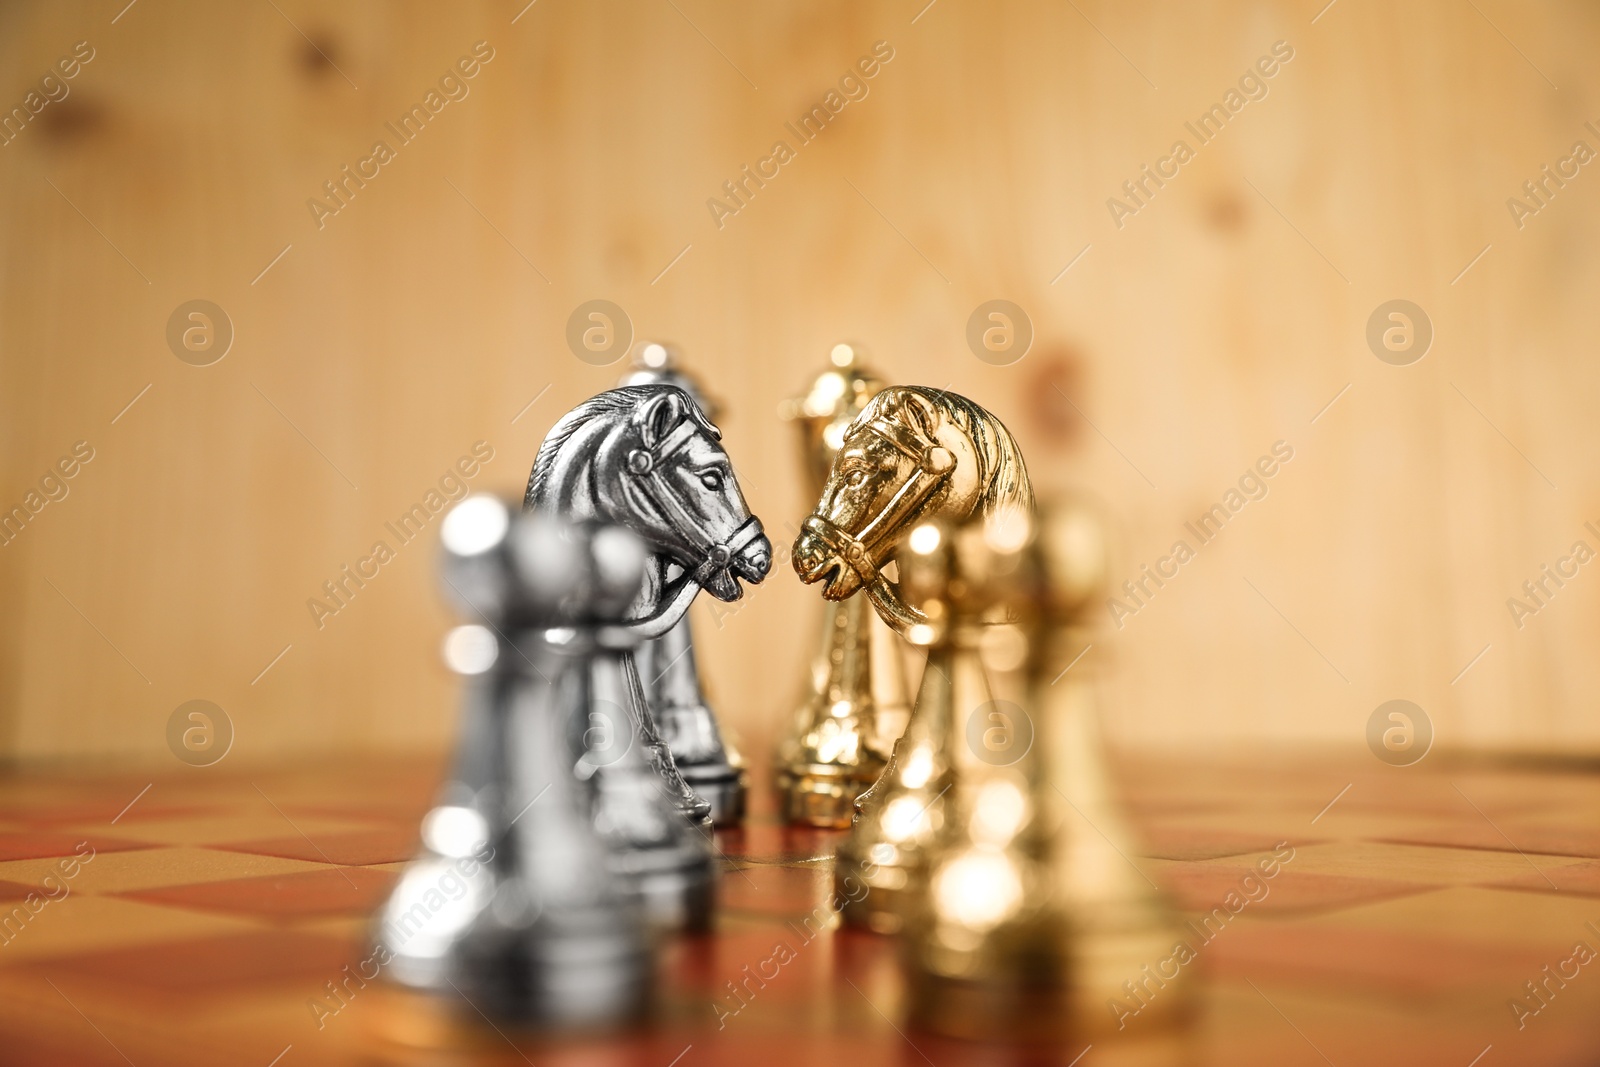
x: 905, y: 813
x: 1032, y: 923
x: 855, y: 705
x: 912, y: 455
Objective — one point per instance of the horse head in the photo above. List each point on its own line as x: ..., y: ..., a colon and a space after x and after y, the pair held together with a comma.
x: 647, y: 458
x: 911, y: 455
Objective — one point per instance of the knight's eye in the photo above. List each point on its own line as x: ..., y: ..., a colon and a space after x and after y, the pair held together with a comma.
x: 712, y: 480
x: 856, y: 479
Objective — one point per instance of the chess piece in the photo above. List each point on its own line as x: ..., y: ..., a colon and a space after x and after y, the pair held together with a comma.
x: 653, y: 853
x: 913, y: 455
x: 855, y: 704
x: 666, y: 664
x: 646, y: 457
x: 513, y: 906
x: 657, y: 364
x: 1032, y: 924
x: 903, y: 811
x: 710, y: 766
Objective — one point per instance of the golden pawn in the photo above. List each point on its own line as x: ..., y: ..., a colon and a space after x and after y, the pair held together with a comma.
x: 904, y: 813
x: 855, y: 704
x: 1032, y: 923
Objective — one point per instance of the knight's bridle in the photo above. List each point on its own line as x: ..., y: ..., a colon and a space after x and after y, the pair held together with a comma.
x: 645, y: 464
x: 933, y: 466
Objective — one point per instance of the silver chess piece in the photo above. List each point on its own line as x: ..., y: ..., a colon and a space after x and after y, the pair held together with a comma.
x: 666, y: 863
x: 647, y: 457
x: 667, y: 668
x: 513, y: 906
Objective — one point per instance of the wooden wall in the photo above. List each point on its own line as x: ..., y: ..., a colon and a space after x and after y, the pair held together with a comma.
x: 1222, y: 317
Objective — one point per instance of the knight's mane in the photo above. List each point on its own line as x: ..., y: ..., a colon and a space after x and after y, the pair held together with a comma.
x: 619, y: 402
x: 1001, y: 471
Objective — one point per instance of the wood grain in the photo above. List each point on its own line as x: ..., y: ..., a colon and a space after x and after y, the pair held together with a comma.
x: 1220, y: 318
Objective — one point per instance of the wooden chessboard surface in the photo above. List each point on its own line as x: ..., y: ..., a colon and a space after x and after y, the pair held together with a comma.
x: 218, y: 904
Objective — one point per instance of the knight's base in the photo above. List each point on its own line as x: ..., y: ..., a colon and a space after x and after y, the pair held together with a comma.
x: 820, y: 796
x: 724, y: 788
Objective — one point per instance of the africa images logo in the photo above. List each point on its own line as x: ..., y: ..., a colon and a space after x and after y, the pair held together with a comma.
x: 852, y: 88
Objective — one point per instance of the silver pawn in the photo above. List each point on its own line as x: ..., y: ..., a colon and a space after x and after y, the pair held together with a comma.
x: 658, y: 859
x: 541, y: 934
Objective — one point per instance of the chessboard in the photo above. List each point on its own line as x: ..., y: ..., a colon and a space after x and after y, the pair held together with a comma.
x: 202, y: 917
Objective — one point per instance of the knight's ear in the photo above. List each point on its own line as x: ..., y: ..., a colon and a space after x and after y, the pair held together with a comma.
x: 660, y: 415
x: 920, y: 414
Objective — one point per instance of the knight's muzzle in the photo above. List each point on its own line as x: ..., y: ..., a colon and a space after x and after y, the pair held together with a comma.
x: 810, y: 555
x: 754, y: 560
